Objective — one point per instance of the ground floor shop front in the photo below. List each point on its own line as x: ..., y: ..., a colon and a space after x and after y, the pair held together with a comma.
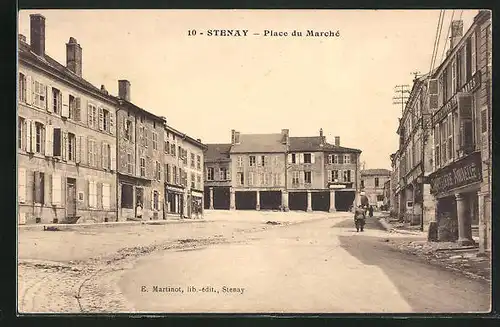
x: 139, y: 199
x: 457, y: 190
x: 278, y: 199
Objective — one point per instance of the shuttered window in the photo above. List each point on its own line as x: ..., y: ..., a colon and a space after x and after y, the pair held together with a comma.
x: 56, y: 189
x: 39, y: 187
x: 106, y: 196
x: 21, y: 185
x: 92, y: 194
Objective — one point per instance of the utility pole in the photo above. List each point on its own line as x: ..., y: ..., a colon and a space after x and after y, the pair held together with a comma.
x: 402, y: 96
x: 416, y: 73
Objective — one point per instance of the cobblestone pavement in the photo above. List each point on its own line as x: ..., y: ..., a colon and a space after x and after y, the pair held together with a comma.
x: 78, y: 270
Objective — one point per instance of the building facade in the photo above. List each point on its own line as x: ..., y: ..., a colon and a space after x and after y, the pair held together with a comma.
x: 217, y: 176
x: 193, y: 172
x: 414, y: 158
x: 257, y: 167
x: 372, y: 184
x: 279, y: 172
x: 66, y: 137
x: 460, y: 96
x: 140, y: 160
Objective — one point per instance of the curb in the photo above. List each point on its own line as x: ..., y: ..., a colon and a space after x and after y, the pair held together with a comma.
x: 62, y: 227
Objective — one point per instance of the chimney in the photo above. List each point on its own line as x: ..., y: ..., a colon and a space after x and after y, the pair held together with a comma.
x: 22, y: 38
x: 233, y: 132
x: 323, y: 138
x: 37, y: 34
x: 236, y: 137
x: 285, y: 139
x: 103, y: 90
x: 124, y: 89
x: 337, y: 140
x: 74, y: 56
x: 457, y: 31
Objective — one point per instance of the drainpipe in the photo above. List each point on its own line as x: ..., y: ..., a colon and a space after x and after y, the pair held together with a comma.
x: 422, y: 165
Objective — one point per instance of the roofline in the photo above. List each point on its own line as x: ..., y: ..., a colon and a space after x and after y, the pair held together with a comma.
x: 65, y: 78
x: 478, y: 19
x: 129, y: 104
x: 184, y: 136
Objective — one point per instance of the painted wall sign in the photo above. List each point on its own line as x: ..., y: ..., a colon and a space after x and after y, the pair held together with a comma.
x: 461, y: 173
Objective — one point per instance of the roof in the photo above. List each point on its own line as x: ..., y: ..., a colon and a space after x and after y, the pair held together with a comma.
x: 144, y: 111
x: 312, y: 143
x: 184, y: 136
x: 259, y: 143
x: 217, y: 152
x: 376, y: 172
x: 26, y: 53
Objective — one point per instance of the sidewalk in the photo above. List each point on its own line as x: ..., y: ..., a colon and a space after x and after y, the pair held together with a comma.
x: 466, y: 260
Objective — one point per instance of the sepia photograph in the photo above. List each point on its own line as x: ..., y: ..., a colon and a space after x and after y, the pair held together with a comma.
x: 254, y: 161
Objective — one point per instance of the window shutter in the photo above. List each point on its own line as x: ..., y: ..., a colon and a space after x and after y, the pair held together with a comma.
x: 29, y: 90
x: 64, y: 105
x: 152, y: 199
x: 28, y: 136
x: 112, y: 122
x: 301, y: 159
x: 33, y: 136
x: 312, y: 157
x: 289, y: 158
x: 78, y: 109
x: 21, y: 185
x: 433, y: 94
x: 352, y: 176
x: 103, y: 155
x: 49, y: 98
x: 341, y: 176
x: 105, y: 194
x: 302, y: 177
x: 56, y: 189
x: 78, y: 149
x: 90, y: 121
x: 341, y: 158
x: 49, y: 141
x: 64, y: 145
x: 330, y: 179
x: 465, y: 105
x: 101, y: 119
x: 112, y: 156
x: 83, y: 150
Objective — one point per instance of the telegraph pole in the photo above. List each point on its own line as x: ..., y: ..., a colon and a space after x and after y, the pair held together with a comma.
x: 417, y: 74
x: 402, y: 96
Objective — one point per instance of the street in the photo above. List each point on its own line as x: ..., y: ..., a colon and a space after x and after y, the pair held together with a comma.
x: 319, y: 265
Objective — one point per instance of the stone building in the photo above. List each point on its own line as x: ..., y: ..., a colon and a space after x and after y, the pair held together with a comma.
x: 140, y: 159
x: 66, y: 137
x: 321, y: 176
x: 257, y: 167
x: 217, y: 176
x: 460, y: 97
x: 190, y: 152
x: 279, y: 172
x: 372, y: 183
x: 414, y: 157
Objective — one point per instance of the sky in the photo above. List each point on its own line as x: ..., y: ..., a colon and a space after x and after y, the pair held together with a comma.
x: 206, y: 85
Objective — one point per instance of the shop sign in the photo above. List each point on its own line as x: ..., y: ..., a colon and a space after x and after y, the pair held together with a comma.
x: 461, y: 173
x: 196, y: 193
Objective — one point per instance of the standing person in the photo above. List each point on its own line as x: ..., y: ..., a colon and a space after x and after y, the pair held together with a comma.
x: 138, y: 210
x: 359, y: 218
x: 371, y: 211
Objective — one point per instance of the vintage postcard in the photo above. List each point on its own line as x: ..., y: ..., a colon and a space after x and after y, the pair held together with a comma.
x: 254, y: 161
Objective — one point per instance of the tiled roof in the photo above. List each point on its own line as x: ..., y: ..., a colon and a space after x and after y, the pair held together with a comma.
x: 372, y: 172
x: 26, y: 53
x: 312, y: 143
x: 259, y: 143
x: 217, y: 152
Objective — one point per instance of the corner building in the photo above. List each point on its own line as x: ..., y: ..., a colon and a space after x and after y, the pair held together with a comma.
x: 66, y: 137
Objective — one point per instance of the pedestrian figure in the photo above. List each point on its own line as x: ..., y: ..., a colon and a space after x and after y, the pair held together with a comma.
x: 359, y: 218
x: 371, y: 211
x: 138, y: 210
